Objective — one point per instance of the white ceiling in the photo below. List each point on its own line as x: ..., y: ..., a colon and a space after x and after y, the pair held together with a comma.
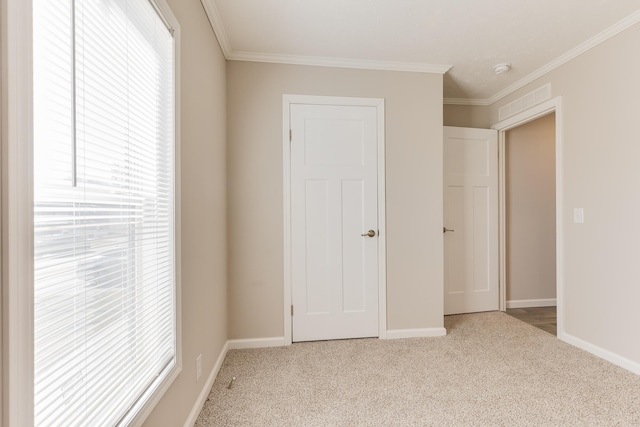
x: 470, y: 36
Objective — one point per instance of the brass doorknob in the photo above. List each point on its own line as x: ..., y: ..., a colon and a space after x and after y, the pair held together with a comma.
x: 371, y: 233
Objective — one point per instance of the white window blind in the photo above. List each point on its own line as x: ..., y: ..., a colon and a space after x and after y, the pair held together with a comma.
x: 104, y: 237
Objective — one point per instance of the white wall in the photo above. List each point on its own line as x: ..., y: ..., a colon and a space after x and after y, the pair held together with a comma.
x: 600, y: 93
x: 414, y: 189
x: 530, y: 192
x: 203, y: 192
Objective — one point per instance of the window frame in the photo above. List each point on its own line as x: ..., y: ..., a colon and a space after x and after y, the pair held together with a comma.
x: 17, y: 217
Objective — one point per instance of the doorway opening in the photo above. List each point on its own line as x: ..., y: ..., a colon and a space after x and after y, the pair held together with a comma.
x: 530, y: 148
x: 530, y: 222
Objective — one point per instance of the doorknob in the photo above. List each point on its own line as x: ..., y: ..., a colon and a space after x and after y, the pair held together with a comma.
x: 371, y: 233
x: 445, y: 229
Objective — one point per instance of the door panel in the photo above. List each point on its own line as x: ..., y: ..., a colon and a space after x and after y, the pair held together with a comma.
x: 334, y: 202
x: 317, y: 246
x: 354, y: 295
x: 481, y: 239
x: 471, y: 212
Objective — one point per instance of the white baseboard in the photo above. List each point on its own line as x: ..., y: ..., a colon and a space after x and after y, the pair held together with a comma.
x: 256, y: 343
x: 206, y: 388
x: 393, y: 334
x: 229, y: 345
x: 607, y: 355
x: 524, y: 303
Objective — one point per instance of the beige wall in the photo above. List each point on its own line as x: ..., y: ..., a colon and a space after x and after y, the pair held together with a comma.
x: 414, y: 189
x: 203, y: 188
x: 467, y: 116
x: 600, y: 161
x: 530, y: 191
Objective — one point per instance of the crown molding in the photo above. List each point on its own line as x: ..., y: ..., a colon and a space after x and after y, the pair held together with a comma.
x: 339, y: 62
x: 213, y: 14
x: 211, y: 10
x: 594, y: 41
x: 464, y: 101
x: 231, y: 55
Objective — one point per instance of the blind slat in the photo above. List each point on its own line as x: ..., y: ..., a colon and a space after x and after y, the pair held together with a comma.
x: 104, y: 267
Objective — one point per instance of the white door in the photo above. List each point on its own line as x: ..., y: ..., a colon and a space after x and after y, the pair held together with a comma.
x: 470, y: 220
x: 333, y: 203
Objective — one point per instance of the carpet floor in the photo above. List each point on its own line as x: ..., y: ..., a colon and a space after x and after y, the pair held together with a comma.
x: 490, y: 370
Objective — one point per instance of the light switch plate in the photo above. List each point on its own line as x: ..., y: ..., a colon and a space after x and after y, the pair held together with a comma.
x: 578, y: 215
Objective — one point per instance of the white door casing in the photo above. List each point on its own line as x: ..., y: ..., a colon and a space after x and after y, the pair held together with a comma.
x: 471, y: 272
x: 551, y: 106
x: 334, y: 200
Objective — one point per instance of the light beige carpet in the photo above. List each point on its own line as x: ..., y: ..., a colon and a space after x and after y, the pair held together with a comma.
x: 490, y: 370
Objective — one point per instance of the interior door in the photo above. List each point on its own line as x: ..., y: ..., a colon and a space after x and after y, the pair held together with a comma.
x: 334, y: 221
x: 470, y: 220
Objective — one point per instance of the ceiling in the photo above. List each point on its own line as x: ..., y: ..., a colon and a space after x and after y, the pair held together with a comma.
x: 464, y: 38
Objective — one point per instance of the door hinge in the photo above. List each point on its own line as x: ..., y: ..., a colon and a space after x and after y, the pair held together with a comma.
x: 290, y: 135
x: 291, y: 310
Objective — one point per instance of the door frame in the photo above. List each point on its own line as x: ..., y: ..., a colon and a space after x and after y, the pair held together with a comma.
x: 533, y: 113
x: 378, y: 103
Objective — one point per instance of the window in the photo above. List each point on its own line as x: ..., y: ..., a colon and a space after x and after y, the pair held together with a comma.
x: 105, y: 334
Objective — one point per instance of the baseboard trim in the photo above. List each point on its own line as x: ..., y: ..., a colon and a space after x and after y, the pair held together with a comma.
x: 524, y: 303
x: 256, y: 343
x: 607, y: 355
x: 206, y: 388
x: 415, y: 333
